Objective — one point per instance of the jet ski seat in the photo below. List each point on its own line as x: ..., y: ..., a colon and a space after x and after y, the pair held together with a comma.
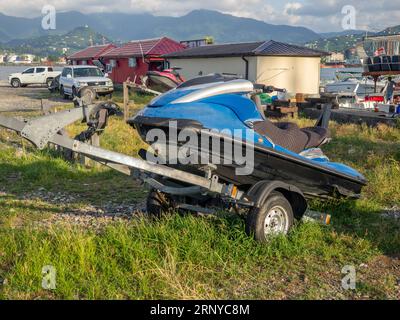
x: 289, y: 136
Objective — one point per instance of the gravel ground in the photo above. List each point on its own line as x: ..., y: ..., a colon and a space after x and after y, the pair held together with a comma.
x: 25, y: 99
x: 29, y: 99
x: 87, y: 216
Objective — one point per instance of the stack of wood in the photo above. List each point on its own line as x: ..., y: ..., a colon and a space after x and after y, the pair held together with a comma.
x: 282, y: 108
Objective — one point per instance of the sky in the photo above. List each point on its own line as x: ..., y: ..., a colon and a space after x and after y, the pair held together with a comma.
x: 318, y: 15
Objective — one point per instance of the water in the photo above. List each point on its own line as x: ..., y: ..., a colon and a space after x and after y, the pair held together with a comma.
x: 6, y: 70
x: 328, y: 74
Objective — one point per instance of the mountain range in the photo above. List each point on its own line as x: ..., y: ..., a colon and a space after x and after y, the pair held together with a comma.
x: 123, y: 27
x: 74, y: 29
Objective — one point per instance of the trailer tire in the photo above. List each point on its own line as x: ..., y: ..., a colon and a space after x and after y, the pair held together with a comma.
x: 49, y: 82
x: 158, y: 204
x: 87, y: 94
x: 274, y: 217
x: 74, y: 93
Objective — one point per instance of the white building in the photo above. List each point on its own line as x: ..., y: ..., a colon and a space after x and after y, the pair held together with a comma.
x: 295, y: 68
x: 336, y: 57
x: 21, y: 59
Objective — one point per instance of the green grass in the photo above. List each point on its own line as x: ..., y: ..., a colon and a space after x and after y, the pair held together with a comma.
x: 184, y: 257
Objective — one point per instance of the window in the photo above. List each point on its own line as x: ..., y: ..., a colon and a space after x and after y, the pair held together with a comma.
x: 87, y: 72
x: 66, y: 71
x: 28, y: 71
x: 132, y: 63
x: 108, y: 68
x: 50, y: 69
x: 40, y: 70
x: 113, y: 63
x: 84, y: 62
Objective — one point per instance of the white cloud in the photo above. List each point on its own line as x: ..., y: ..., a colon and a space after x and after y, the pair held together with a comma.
x: 319, y: 15
x: 327, y: 15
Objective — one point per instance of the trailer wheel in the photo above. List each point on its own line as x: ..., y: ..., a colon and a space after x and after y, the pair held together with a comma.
x: 74, y: 93
x: 49, y: 82
x: 274, y: 217
x: 158, y: 204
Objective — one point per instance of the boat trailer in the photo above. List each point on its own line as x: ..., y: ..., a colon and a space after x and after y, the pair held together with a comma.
x: 169, y: 185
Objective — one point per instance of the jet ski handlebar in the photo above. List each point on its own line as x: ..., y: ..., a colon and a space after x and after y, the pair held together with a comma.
x: 262, y: 88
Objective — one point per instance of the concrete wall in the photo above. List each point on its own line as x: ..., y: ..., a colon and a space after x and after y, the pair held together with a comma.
x: 192, y: 68
x: 296, y: 74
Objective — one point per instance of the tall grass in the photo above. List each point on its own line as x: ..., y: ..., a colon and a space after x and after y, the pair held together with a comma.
x: 187, y: 257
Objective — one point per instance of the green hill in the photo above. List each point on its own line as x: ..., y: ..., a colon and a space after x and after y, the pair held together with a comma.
x: 57, y: 45
x: 125, y: 27
x: 337, y: 43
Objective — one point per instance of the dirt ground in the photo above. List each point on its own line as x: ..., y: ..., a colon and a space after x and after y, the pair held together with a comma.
x: 26, y: 99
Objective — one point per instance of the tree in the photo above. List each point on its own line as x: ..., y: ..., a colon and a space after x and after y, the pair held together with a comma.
x: 52, y: 58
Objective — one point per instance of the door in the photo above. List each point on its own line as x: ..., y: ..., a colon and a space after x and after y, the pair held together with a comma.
x: 66, y: 80
x: 40, y: 75
x: 28, y: 76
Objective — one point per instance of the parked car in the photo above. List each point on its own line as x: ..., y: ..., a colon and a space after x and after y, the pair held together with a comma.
x: 33, y: 75
x: 74, y: 78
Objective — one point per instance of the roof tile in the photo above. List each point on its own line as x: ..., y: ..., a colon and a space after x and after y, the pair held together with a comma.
x: 91, y: 52
x: 267, y: 48
x: 140, y: 48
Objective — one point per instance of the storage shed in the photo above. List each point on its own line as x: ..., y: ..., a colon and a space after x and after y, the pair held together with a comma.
x: 133, y: 59
x: 295, y: 68
x: 86, y: 56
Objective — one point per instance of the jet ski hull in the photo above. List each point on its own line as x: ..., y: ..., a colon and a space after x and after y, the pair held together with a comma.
x: 163, y: 80
x: 313, y: 179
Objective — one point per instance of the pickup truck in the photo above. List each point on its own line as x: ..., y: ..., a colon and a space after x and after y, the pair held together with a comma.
x: 33, y: 75
x: 74, y: 78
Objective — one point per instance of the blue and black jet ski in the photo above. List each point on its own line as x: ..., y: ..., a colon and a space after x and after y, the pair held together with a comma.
x: 282, y: 151
x: 212, y: 149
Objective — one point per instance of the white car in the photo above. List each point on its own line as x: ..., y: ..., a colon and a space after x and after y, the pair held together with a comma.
x: 33, y: 75
x: 74, y: 78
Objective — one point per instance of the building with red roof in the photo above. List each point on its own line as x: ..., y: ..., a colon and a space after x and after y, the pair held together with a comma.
x: 133, y: 59
x: 86, y: 56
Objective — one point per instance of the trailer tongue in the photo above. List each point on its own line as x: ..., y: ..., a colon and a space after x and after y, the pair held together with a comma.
x: 46, y: 129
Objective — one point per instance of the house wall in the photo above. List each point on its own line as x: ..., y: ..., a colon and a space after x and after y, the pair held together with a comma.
x: 295, y: 74
x: 122, y: 71
x: 193, y: 67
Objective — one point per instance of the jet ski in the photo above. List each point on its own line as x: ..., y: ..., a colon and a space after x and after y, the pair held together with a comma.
x: 282, y: 151
x: 244, y: 163
x: 164, y: 80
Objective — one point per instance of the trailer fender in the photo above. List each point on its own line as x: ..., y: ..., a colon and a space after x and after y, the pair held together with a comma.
x: 262, y: 189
